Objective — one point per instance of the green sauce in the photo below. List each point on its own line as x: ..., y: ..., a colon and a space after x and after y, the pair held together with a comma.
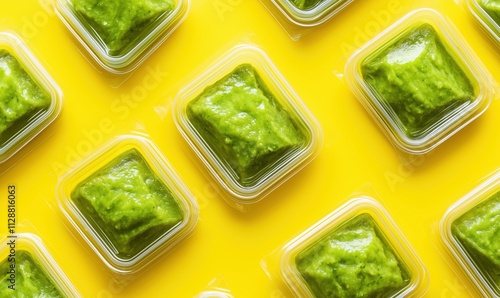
x: 121, y: 24
x: 353, y: 260
x: 478, y: 232
x: 21, y: 98
x: 244, y: 124
x: 417, y: 80
x: 492, y: 8
x: 127, y: 203
x: 31, y: 280
x: 307, y: 4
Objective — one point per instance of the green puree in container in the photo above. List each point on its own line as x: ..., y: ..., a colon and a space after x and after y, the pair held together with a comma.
x: 492, y: 8
x: 418, y: 79
x: 21, y: 97
x: 128, y: 203
x: 353, y: 260
x: 31, y: 279
x: 478, y: 231
x: 307, y: 4
x: 121, y: 24
x: 243, y: 123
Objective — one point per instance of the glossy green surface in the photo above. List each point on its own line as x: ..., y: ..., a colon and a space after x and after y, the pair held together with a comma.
x: 478, y: 232
x: 128, y: 203
x: 492, y: 8
x: 31, y: 280
x: 121, y: 24
x: 352, y: 261
x: 244, y: 124
x: 21, y: 97
x: 417, y: 80
x: 307, y: 4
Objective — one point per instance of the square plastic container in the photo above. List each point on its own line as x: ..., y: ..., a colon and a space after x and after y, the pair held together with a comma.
x: 29, y: 98
x: 128, y: 203
x: 470, y: 229
x: 309, y: 13
x: 120, y: 41
x: 246, y: 124
x: 30, y: 258
x: 487, y: 15
x: 419, y: 81
x: 343, y: 254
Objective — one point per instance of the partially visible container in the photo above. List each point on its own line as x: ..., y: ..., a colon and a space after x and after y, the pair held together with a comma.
x: 224, y: 157
x: 128, y: 203
x: 120, y: 35
x: 29, y: 263
x: 297, y: 17
x: 29, y: 99
x: 487, y: 14
x: 420, y: 81
x: 357, y: 250
x: 214, y: 294
x: 217, y: 288
x: 470, y: 229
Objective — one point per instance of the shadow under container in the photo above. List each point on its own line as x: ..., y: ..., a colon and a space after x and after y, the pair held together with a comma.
x: 470, y: 229
x: 30, y: 100
x: 128, y: 203
x: 35, y: 274
x: 120, y: 35
x: 246, y: 124
x: 357, y: 250
x: 487, y: 14
x: 419, y: 81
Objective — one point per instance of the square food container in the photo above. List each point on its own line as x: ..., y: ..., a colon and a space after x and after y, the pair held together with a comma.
x: 263, y: 141
x: 487, y: 14
x: 419, y: 81
x: 357, y: 242
x: 30, y: 99
x: 141, y: 27
x: 26, y: 251
x: 128, y: 203
x: 470, y: 229
x: 309, y: 13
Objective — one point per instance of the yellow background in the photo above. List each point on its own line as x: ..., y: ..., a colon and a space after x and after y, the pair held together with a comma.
x: 227, y: 243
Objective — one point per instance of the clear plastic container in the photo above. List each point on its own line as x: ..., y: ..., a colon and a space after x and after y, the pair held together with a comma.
x: 487, y: 14
x: 346, y: 252
x: 30, y: 98
x: 217, y: 288
x: 122, y: 42
x: 310, y: 14
x: 298, y: 17
x: 470, y: 229
x: 128, y: 203
x: 263, y: 139
x: 24, y: 255
x: 420, y: 81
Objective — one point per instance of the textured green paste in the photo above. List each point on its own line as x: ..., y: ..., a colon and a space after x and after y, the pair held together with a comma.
x: 120, y: 23
x: 492, y: 8
x: 243, y: 123
x: 20, y: 97
x: 308, y: 4
x: 128, y: 203
x: 31, y: 280
x: 478, y: 230
x: 418, y: 79
x: 352, y: 261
